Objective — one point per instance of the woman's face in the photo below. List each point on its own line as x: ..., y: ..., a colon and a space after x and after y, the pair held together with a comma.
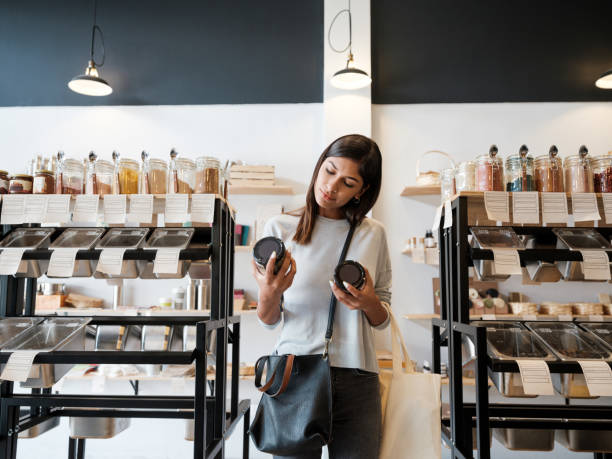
x: 337, y: 183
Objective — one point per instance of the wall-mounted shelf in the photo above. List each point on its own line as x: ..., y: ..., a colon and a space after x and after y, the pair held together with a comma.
x: 243, y: 248
x: 415, y: 190
x: 428, y: 256
x: 274, y: 189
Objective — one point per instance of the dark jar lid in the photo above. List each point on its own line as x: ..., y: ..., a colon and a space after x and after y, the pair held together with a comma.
x: 349, y: 271
x: 263, y: 250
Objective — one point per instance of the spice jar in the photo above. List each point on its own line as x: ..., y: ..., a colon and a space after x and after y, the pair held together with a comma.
x: 44, y: 182
x: 549, y: 172
x: 519, y: 171
x: 602, y: 174
x: 465, y: 176
x: 351, y: 272
x: 20, y: 184
x: 158, y: 176
x: 208, y: 172
x: 104, y: 171
x: 184, y: 176
x: 4, y: 182
x: 447, y: 183
x: 578, y: 172
x: 128, y: 176
x: 72, y: 177
x: 490, y: 171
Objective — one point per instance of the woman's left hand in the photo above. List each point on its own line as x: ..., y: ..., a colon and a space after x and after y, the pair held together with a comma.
x: 364, y: 299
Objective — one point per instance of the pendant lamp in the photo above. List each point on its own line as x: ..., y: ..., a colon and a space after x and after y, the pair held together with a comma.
x: 90, y: 84
x: 349, y: 77
x: 605, y: 80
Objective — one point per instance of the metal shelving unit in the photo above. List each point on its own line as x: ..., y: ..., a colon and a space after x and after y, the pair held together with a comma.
x: 455, y: 258
x: 213, y: 421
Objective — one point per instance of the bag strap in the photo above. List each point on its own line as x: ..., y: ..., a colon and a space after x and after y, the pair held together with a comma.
x: 399, y: 351
x: 333, y: 301
x: 259, y: 367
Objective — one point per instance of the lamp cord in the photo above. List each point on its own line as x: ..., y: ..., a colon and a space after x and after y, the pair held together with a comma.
x: 93, y: 36
x: 349, y: 46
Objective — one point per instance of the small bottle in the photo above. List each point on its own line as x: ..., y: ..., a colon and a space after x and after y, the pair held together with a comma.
x: 429, y: 239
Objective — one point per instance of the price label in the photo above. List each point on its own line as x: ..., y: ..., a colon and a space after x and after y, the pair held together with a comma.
x: 58, y: 208
x: 584, y: 207
x: 141, y: 208
x: 506, y: 261
x: 86, y: 208
x: 13, y: 209
x: 448, y: 214
x: 19, y: 366
x: 437, y: 218
x: 554, y: 208
x: 595, y: 265
x: 35, y: 207
x: 607, y: 205
x: 598, y: 377
x: 61, y: 263
x: 535, y: 377
x: 202, y: 208
x: 496, y: 205
x: 114, y: 208
x: 177, y: 208
x: 9, y: 261
x: 166, y: 261
x: 526, y: 207
x: 111, y: 261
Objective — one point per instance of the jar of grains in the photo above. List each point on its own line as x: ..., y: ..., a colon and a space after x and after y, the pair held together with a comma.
x: 602, y: 174
x: 490, y: 171
x: 183, y: 179
x: 208, y: 173
x: 4, y: 182
x: 128, y: 176
x: 21, y: 184
x: 549, y: 172
x: 44, y: 182
x: 447, y: 183
x: 578, y: 172
x: 72, y: 177
x: 465, y: 176
x: 158, y: 176
x: 519, y: 171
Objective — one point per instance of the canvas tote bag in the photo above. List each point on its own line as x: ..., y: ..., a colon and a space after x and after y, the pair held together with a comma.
x: 411, y: 407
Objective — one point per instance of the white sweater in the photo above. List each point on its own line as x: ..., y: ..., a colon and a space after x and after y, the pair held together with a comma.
x: 306, y: 302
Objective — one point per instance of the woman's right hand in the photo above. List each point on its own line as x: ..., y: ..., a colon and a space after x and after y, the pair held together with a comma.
x: 272, y: 286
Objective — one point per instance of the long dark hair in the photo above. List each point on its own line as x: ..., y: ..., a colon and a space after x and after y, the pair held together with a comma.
x: 358, y: 148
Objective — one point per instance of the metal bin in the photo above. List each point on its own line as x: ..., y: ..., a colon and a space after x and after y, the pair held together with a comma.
x: 79, y: 238
x: 167, y: 238
x: 92, y: 427
x: 122, y: 238
x: 577, y: 239
x: 29, y: 238
x: 493, y: 237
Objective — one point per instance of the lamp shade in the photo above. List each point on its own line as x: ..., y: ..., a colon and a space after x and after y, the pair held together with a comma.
x: 605, y: 80
x: 350, y: 78
x: 90, y: 84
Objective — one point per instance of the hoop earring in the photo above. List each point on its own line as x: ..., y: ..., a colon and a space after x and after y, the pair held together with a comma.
x: 356, y: 200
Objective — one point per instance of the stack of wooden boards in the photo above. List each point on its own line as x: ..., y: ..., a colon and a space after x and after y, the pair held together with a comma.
x: 250, y: 175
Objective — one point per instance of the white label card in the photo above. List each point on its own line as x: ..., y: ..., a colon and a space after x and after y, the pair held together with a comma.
x: 97, y: 383
x: 110, y: 261
x: 9, y: 261
x: 564, y: 317
x: 535, y: 377
x: 18, y: 366
x: 596, y: 318
x: 506, y: 261
x: 607, y: 205
x: 554, y: 208
x: 35, y: 207
x: 13, y: 209
x: 526, y: 207
x: 202, y: 208
x: 448, y: 214
x: 166, y: 261
x: 141, y: 208
x: 595, y: 265
x: 584, y: 207
x: 114, y: 208
x: 86, y: 208
x: 488, y: 317
x: 598, y: 376
x: 61, y: 263
x: 58, y: 208
x: 529, y: 317
x: 496, y: 204
x: 177, y: 208
x: 437, y: 217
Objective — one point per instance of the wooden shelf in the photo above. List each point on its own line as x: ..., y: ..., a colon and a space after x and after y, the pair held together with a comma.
x: 274, y: 189
x: 466, y: 381
x: 506, y: 317
x: 243, y: 248
x: 421, y: 316
x: 421, y: 190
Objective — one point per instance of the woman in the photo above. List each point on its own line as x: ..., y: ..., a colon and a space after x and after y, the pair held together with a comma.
x: 344, y: 187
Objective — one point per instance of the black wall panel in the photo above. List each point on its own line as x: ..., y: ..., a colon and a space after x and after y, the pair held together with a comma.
x: 164, y: 52
x: 428, y: 51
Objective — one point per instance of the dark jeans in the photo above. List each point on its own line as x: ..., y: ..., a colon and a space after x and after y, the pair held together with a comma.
x: 356, y: 416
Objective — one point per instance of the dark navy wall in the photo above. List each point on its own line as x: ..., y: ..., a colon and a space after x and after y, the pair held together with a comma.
x: 163, y: 51
x: 427, y: 51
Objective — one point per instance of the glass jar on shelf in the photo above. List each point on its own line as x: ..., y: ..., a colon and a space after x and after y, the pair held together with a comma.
x: 128, y: 176
x: 182, y: 179
x: 4, y: 182
x: 44, y: 182
x: 20, y: 184
x: 72, y: 176
x: 490, y: 171
x: 208, y: 175
x: 158, y: 176
x: 602, y: 174
x: 103, y: 184
x: 578, y: 172
x: 519, y: 171
x: 465, y: 176
x: 549, y: 172
x: 447, y: 183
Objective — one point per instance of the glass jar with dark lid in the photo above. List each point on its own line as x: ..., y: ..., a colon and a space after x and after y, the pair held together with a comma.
x: 549, y: 172
x: 351, y: 272
x: 4, y: 182
x: 578, y: 172
x: 263, y: 250
x: 44, y: 182
x: 490, y: 171
x: 21, y: 184
x: 602, y: 174
x: 519, y: 171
